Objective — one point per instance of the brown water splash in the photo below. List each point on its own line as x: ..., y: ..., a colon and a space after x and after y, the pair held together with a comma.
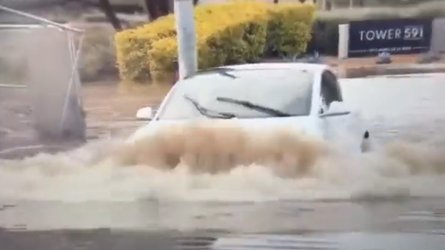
x: 211, y: 148
x: 418, y: 159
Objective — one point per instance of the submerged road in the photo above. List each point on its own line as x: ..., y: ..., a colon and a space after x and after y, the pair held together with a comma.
x: 372, y: 203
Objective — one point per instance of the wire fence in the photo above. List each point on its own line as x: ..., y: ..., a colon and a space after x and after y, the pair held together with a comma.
x: 40, y: 98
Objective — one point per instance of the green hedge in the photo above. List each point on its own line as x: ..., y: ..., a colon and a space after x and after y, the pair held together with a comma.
x: 98, y: 59
x: 229, y: 33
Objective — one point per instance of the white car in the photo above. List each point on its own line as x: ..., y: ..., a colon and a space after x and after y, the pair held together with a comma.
x: 304, y: 97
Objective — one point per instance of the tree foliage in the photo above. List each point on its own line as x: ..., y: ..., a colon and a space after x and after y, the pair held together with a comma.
x: 111, y: 15
x: 158, y: 8
x: 155, y: 9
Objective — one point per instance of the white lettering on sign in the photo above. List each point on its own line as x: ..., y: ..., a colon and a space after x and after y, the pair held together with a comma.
x: 398, y: 34
x: 408, y: 33
x: 361, y: 35
x: 413, y: 33
x: 391, y: 34
x: 380, y: 34
x: 370, y: 35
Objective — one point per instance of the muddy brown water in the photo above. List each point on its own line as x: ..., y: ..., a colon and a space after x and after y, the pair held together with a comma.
x: 110, y: 110
x: 379, y: 201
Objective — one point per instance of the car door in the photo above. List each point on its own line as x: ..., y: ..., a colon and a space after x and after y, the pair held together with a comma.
x: 337, y: 129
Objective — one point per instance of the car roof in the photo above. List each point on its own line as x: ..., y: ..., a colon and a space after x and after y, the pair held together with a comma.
x: 310, y: 67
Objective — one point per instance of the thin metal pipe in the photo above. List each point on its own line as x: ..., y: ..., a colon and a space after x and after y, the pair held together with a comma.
x: 40, y: 19
x: 12, y: 86
x: 72, y: 77
x: 19, y: 26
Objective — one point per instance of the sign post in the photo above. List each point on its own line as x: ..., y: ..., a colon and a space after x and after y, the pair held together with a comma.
x: 343, y: 41
x: 399, y: 36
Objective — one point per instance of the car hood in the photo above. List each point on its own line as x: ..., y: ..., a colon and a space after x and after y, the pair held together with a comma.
x: 306, y: 125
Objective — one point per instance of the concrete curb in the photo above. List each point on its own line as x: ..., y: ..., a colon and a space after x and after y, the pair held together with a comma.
x: 389, y: 69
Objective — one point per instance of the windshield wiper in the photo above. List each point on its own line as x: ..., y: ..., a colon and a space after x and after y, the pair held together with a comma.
x: 206, y: 112
x: 225, y: 72
x: 253, y: 106
x: 219, y: 71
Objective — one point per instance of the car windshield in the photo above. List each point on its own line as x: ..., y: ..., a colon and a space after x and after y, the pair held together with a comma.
x: 252, y: 93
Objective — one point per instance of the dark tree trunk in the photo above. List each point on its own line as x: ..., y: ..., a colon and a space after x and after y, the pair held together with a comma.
x: 109, y: 12
x: 275, y: 1
x: 164, y: 7
x: 158, y: 8
x: 152, y: 9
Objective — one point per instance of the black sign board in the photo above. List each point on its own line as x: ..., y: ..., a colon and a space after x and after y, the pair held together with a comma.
x: 399, y: 36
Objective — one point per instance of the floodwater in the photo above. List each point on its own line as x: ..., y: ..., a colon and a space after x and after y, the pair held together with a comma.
x: 393, y: 198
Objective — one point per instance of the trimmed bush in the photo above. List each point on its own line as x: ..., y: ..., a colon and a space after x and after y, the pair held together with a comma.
x: 133, y: 46
x: 229, y: 33
x: 325, y: 35
x: 288, y: 32
x: 98, y: 53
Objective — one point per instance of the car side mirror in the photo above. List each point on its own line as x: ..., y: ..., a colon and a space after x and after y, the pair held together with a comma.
x: 336, y: 109
x: 145, y: 113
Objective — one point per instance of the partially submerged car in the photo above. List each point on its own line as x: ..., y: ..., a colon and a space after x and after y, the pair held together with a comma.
x: 306, y: 98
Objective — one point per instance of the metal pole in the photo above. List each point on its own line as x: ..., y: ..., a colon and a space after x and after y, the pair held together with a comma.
x: 185, y: 27
x: 40, y: 19
x: 323, y: 4
x: 19, y: 86
x: 74, y: 56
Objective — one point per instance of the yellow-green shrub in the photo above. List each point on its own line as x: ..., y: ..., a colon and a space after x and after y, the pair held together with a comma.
x: 228, y: 33
x: 289, y: 29
x: 133, y: 45
x: 237, y: 43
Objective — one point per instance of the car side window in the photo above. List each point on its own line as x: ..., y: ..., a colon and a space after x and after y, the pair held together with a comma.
x: 330, y: 89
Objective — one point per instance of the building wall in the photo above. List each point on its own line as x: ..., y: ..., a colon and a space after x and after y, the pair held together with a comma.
x: 32, y: 3
x: 438, y: 38
x: 373, y: 3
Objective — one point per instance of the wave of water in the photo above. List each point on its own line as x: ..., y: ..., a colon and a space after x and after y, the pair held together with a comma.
x: 210, y: 164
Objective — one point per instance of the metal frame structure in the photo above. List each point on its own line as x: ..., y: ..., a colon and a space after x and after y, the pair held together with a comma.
x: 74, y: 50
